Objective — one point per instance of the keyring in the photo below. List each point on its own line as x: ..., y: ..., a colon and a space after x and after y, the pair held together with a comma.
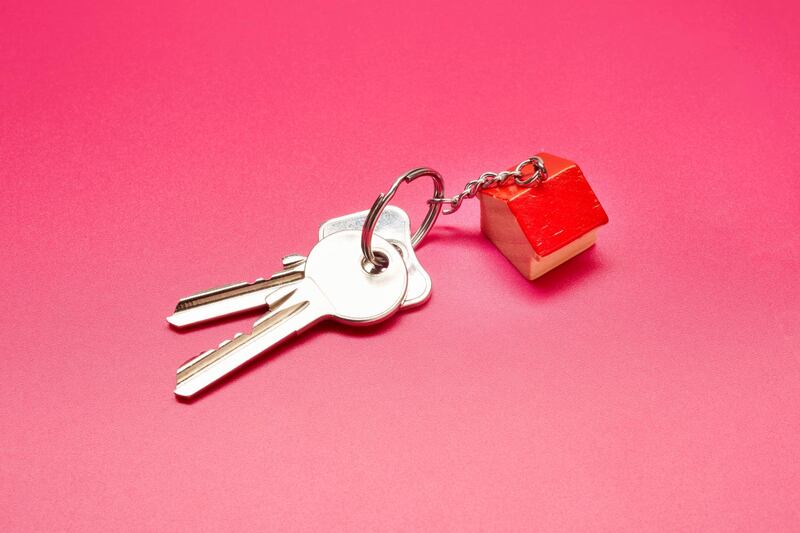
x: 434, y: 208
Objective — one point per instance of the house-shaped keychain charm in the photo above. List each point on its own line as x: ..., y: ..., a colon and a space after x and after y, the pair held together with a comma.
x: 539, y: 227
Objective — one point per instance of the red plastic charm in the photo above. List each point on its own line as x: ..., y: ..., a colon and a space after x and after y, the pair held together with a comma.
x: 541, y: 226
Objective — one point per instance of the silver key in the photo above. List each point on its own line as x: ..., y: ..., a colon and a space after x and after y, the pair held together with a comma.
x: 237, y: 297
x: 393, y: 226
x: 337, y: 284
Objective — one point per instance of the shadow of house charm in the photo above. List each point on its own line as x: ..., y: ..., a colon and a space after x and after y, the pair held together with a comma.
x: 541, y: 226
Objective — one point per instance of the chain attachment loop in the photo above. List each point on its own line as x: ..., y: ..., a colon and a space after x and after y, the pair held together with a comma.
x: 495, y: 179
x: 539, y: 172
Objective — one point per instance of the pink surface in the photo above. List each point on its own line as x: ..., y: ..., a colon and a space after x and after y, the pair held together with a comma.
x: 149, y: 150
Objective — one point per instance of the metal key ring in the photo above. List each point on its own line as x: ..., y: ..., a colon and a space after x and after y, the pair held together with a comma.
x: 539, y: 172
x: 434, y: 208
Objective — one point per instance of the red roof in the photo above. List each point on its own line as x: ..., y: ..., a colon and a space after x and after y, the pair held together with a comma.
x: 556, y: 212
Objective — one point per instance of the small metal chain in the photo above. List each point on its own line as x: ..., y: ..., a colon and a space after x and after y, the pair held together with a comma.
x: 435, y: 204
x: 495, y: 179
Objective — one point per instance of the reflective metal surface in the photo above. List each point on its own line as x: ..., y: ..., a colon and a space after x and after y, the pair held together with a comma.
x: 235, y: 298
x: 395, y: 227
x: 335, y: 286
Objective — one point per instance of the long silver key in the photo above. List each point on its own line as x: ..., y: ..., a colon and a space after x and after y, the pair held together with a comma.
x: 393, y: 226
x: 337, y: 284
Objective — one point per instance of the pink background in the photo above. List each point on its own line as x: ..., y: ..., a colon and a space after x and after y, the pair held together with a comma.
x: 151, y: 150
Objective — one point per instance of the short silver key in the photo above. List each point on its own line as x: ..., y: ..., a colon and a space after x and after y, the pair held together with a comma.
x: 237, y: 297
x: 337, y: 284
x: 393, y: 226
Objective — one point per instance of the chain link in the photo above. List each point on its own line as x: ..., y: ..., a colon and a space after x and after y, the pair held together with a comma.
x: 435, y: 204
x: 495, y: 179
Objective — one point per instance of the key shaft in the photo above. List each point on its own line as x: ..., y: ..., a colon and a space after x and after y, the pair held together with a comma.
x: 337, y: 284
x: 302, y: 308
x: 235, y: 298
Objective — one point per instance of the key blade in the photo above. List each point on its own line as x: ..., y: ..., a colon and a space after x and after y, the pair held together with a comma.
x: 233, y: 299
x: 299, y: 309
x: 228, y: 304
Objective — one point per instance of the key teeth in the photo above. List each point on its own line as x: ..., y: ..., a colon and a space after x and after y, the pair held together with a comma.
x: 228, y: 341
x: 210, y: 357
x: 189, y: 362
x: 292, y: 260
